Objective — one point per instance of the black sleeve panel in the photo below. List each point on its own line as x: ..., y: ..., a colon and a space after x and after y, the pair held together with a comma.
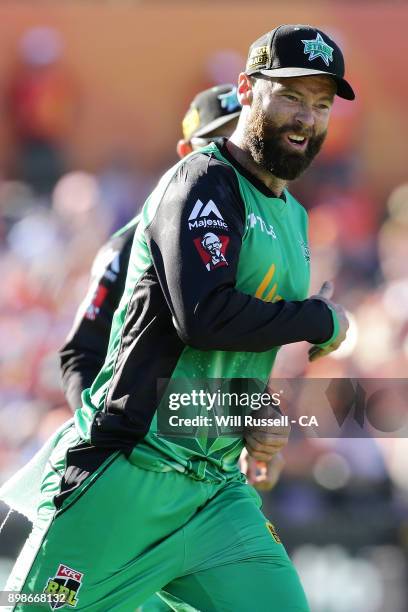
x: 195, y: 240
x: 84, y: 351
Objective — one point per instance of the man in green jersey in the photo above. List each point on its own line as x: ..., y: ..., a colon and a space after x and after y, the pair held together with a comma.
x: 126, y: 510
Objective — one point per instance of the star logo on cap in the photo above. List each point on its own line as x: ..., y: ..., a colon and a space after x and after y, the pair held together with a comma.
x: 229, y: 101
x: 318, y: 48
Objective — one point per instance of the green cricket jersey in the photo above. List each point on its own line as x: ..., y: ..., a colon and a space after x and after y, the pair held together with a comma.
x: 217, y: 282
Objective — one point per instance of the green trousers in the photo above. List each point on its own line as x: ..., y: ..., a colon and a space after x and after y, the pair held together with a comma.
x: 126, y: 533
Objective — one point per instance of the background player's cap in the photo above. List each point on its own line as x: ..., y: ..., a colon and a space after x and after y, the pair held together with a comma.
x: 298, y: 50
x: 211, y: 109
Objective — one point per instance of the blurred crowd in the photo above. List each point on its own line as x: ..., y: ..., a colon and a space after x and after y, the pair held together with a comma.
x: 340, y: 501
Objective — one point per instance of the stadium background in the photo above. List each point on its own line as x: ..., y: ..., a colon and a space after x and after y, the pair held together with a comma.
x: 79, y: 150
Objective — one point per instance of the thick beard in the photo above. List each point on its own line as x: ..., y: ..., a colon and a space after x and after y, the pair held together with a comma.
x: 262, y: 138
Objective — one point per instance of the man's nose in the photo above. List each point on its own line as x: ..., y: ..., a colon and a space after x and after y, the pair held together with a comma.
x: 305, y: 116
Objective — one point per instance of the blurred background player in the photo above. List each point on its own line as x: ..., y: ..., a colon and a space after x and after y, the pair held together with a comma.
x: 213, y: 114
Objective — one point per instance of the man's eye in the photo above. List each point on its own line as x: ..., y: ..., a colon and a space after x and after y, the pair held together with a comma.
x: 290, y: 97
x: 323, y: 106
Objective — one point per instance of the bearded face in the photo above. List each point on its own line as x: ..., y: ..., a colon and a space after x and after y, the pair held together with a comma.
x: 271, y: 140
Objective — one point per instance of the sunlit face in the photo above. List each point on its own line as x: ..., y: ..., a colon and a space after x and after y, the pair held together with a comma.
x: 288, y: 122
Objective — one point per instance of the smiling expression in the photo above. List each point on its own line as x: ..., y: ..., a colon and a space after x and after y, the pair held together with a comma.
x: 288, y: 122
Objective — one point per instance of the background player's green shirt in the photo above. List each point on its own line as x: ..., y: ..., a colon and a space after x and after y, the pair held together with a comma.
x: 217, y: 281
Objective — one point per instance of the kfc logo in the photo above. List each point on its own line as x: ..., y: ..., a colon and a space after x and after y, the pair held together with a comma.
x: 67, y: 572
x: 97, y: 300
x: 212, y: 250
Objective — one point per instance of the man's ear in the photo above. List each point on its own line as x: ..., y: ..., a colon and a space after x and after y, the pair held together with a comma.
x: 245, y: 89
x: 183, y: 148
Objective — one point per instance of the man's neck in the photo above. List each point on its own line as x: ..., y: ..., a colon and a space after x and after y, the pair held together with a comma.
x: 243, y: 157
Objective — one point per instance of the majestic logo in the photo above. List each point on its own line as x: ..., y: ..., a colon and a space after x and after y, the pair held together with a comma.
x: 66, y: 582
x: 212, y: 250
x: 254, y: 220
x: 318, y: 48
x: 200, y: 213
x: 229, y: 101
x: 111, y: 273
x: 107, y: 264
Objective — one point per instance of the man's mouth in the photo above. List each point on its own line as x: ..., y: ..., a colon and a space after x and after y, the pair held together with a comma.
x: 296, y: 141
